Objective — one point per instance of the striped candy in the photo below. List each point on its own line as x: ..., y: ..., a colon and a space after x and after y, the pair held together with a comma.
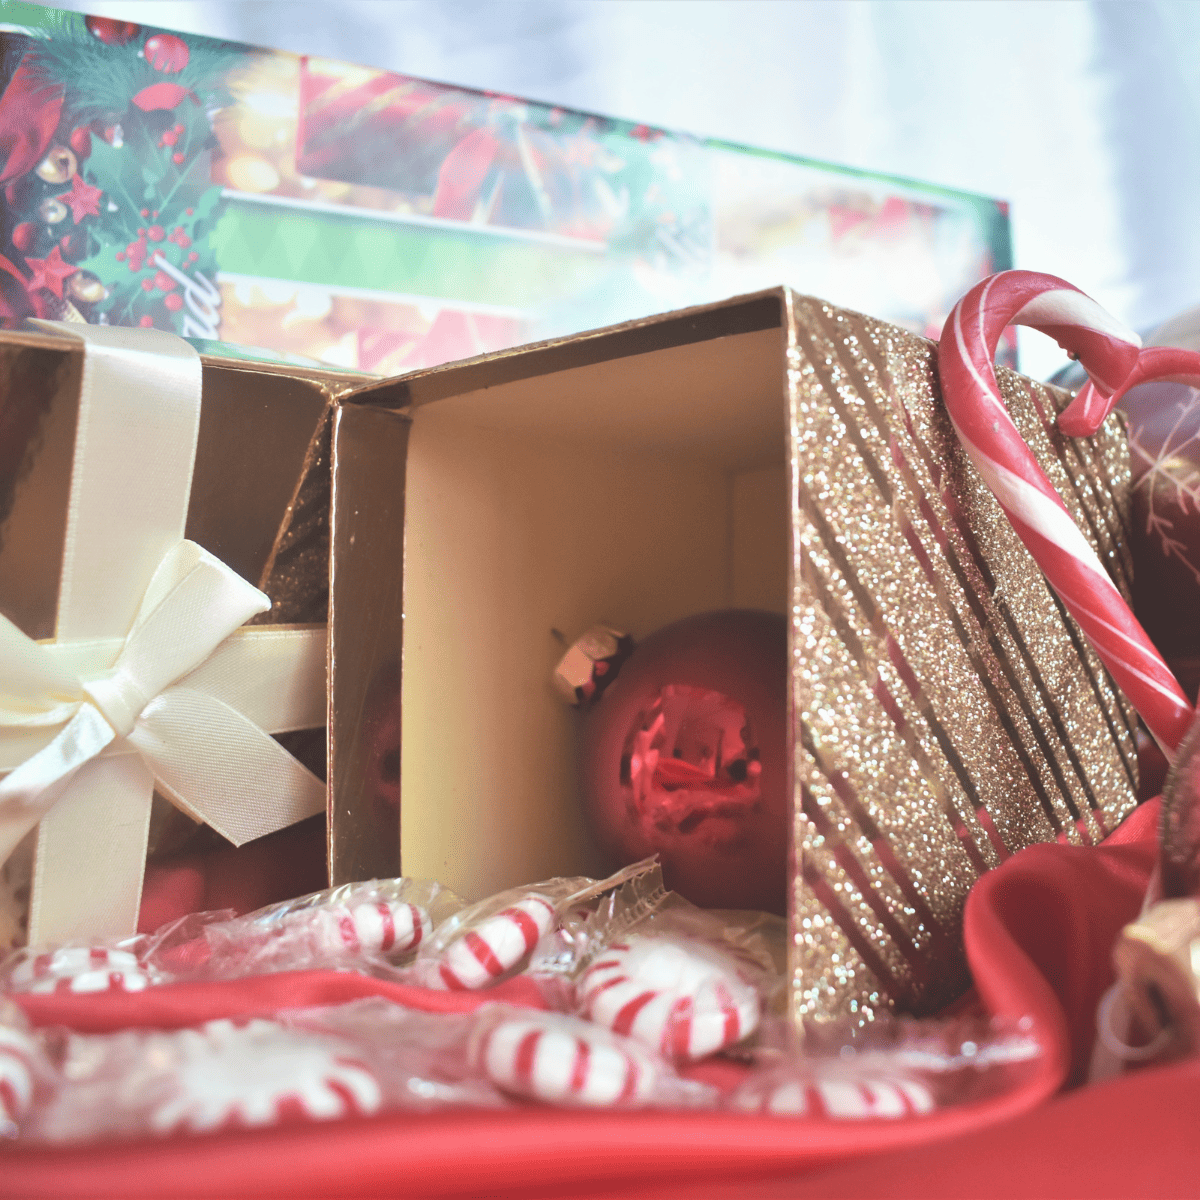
x: 80, y: 969
x: 682, y: 998
x: 839, y: 1099
x: 481, y: 955
x: 1115, y: 362
x: 17, y: 1054
x: 258, y: 1074
x: 563, y: 1060
x: 373, y: 927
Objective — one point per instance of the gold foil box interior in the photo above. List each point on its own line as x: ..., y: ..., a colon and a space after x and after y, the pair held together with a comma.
x: 770, y: 452
x: 264, y: 499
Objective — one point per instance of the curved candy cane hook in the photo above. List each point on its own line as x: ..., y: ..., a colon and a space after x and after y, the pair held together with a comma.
x: 1115, y: 362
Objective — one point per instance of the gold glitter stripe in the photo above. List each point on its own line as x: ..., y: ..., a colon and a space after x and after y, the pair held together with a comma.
x: 1067, y: 451
x: 970, y: 643
x: 865, y: 600
x: 960, y: 821
x: 980, y: 605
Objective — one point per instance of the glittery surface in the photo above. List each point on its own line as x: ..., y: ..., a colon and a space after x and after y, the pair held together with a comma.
x: 946, y: 710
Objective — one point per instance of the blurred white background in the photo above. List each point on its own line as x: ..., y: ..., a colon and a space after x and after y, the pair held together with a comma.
x: 1085, y: 116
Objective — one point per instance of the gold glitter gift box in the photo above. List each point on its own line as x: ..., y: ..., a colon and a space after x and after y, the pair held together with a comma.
x: 768, y: 452
x: 293, y: 480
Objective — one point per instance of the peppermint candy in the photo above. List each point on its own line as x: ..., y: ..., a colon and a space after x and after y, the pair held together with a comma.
x: 867, y: 1098
x: 563, y: 1060
x: 81, y: 969
x: 481, y: 955
x: 17, y: 1055
x: 682, y: 998
x: 373, y: 927
x: 258, y: 1074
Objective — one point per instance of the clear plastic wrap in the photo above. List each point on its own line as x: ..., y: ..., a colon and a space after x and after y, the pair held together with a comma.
x: 379, y: 924
x: 375, y: 927
x: 684, y: 982
x: 361, y: 1058
x: 493, y: 940
x: 556, y: 1058
x: 896, y: 1067
x: 26, y: 1074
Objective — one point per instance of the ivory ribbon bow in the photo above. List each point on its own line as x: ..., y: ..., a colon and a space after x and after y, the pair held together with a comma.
x: 181, y: 698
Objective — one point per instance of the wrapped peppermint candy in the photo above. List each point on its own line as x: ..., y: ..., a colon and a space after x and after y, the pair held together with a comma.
x: 376, y: 925
x: 895, y: 1069
x: 559, y: 1059
x: 321, y: 1064
x: 492, y: 940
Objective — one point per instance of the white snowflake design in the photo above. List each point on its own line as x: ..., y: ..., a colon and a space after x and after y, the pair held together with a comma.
x: 244, y: 1074
x: 1169, y: 470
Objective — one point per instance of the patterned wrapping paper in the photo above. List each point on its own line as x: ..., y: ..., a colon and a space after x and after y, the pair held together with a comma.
x: 947, y: 712
x: 293, y: 205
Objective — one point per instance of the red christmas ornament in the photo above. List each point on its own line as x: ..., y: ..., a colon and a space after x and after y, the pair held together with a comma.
x: 161, y: 95
x: 23, y: 235
x: 110, y: 32
x: 167, y: 53
x: 684, y: 755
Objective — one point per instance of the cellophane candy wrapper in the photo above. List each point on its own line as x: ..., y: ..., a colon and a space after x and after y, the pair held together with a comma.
x: 493, y: 940
x: 375, y: 927
x: 379, y: 926
x: 27, y: 1076
x: 557, y: 1058
x: 683, y: 982
x: 357, y: 1059
x: 894, y: 1068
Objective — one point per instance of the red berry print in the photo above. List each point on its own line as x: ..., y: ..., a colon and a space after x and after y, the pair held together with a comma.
x: 174, y: 302
x: 178, y: 157
x: 163, y: 282
x: 155, y: 233
x: 147, y: 322
x: 147, y: 285
x: 145, y: 213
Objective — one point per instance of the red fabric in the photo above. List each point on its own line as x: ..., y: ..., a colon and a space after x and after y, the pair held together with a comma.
x: 1038, y: 932
x: 29, y: 112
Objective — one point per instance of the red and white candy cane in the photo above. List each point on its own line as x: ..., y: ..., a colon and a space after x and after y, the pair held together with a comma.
x: 681, y: 998
x: 563, y: 1060
x: 373, y: 927
x: 481, y: 955
x: 1115, y: 362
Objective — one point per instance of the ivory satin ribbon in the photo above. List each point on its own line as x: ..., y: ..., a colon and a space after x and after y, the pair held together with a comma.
x: 150, y: 681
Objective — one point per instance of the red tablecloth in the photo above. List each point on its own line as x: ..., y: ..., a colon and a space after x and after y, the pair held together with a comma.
x: 1038, y: 932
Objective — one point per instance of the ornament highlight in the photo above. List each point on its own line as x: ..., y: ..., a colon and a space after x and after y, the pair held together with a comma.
x: 52, y: 210
x: 58, y: 166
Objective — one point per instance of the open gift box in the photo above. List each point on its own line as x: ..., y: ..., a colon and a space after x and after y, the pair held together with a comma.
x: 769, y: 452
x: 108, y: 459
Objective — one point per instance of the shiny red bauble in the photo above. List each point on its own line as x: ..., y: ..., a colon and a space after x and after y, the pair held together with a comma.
x: 110, y: 32
x: 165, y: 52
x: 685, y: 756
